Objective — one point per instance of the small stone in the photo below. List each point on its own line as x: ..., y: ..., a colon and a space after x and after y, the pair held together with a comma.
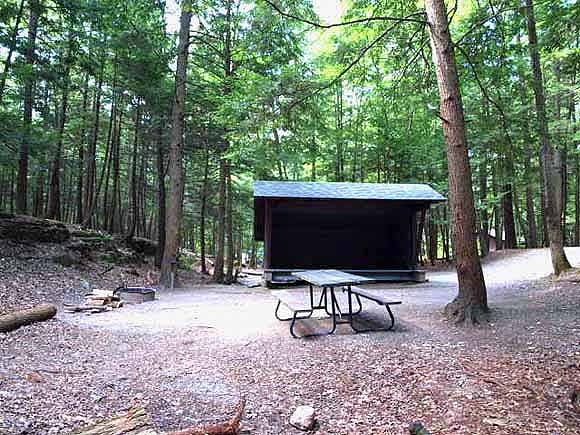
x: 303, y: 418
x: 34, y: 377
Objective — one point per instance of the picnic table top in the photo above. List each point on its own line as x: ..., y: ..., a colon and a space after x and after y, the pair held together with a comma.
x: 330, y: 277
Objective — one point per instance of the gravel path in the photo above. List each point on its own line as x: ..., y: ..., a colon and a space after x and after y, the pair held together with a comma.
x: 189, y: 356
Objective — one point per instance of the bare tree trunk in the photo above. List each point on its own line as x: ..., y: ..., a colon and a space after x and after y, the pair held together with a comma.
x: 419, y: 238
x: 11, y: 49
x: 161, y: 195
x: 484, y: 215
x: 551, y: 162
x: 174, y: 210
x: 54, y: 209
x: 507, y: 206
x: 432, y: 238
x: 134, y: 214
x: 253, y: 264
x: 532, y: 233
x: 203, y: 211
x: 339, y: 158
x: 230, y: 245
x: 577, y: 190
x: 115, y: 211
x: 471, y: 302
x: 22, y: 182
x: 218, y: 273
x: 81, y: 152
x: 91, y: 157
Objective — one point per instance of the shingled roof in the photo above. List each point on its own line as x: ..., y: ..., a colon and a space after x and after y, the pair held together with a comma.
x: 319, y: 190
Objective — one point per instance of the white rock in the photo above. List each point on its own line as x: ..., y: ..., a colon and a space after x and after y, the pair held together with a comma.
x: 303, y: 418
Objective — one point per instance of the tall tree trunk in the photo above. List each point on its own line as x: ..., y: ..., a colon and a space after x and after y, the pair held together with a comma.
x: 13, y: 40
x: 203, y: 211
x: 484, y: 215
x: 22, y: 182
x: 161, y: 195
x: 432, y: 237
x: 577, y: 201
x: 339, y: 158
x: 54, y: 209
x: 134, y: 214
x: 115, y: 211
x: 471, y: 302
x: 230, y: 245
x: 551, y: 162
x: 532, y: 231
x: 497, y: 221
x: 561, y: 146
x: 577, y: 181
x: 168, y: 275
x: 81, y: 152
x: 91, y: 156
x: 507, y: 205
x: 419, y: 238
x: 218, y: 273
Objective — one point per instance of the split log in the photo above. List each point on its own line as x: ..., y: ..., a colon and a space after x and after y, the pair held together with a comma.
x: 230, y: 427
x: 86, y: 308
x: 20, y: 227
x: 133, y: 422
x: 40, y: 313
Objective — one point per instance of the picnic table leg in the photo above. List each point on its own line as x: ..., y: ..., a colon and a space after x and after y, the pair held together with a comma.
x: 287, y: 319
x: 333, y: 314
x: 391, y: 317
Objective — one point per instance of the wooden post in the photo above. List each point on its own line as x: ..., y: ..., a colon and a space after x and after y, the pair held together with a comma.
x: 267, y: 234
x: 414, y: 253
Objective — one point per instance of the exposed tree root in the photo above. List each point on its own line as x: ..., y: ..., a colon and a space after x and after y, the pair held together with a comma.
x: 459, y: 311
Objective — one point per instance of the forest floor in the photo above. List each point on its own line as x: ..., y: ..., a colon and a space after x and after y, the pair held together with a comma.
x: 189, y: 356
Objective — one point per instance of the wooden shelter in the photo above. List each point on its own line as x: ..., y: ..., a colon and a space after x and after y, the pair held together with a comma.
x: 363, y: 228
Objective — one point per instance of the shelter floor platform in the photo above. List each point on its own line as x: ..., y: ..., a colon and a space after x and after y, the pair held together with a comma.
x: 273, y: 277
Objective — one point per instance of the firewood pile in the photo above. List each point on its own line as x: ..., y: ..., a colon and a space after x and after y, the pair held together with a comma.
x: 98, y: 301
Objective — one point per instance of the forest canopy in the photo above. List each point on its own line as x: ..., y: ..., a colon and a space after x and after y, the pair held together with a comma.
x: 272, y: 91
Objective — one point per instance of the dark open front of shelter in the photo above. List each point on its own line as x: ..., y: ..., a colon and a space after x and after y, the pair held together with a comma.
x: 364, y: 228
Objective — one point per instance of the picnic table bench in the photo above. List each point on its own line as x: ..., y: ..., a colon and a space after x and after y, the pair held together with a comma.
x: 328, y: 280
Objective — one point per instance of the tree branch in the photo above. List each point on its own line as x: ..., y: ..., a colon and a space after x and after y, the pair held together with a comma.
x: 408, y: 18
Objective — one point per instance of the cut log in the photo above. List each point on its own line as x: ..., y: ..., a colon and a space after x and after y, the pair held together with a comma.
x: 230, y: 427
x: 133, y: 422
x: 12, y: 321
x: 20, y: 227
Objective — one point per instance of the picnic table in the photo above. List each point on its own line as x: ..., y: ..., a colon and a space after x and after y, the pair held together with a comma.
x: 328, y: 280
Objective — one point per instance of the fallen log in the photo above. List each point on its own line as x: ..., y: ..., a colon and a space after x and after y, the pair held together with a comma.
x: 230, y: 427
x: 133, y: 422
x: 137, y: 422
x: 40, y: 313
x: 20, y: 227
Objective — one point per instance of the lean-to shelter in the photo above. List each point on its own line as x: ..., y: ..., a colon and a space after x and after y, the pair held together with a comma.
x: 365, y: 228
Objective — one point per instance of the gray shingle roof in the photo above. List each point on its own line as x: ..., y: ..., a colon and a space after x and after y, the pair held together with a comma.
x: 319, y: 190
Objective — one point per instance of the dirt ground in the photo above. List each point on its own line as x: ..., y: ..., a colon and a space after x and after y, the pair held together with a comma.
x: 189, y: 356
